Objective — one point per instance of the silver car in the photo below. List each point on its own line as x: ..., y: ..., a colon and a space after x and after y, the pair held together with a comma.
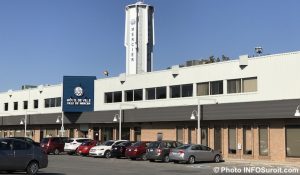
x: 20, y: 155
x: 194, y: 153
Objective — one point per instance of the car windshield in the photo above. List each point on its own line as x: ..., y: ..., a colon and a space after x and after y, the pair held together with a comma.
x: 154, y: 145
x: 70, y: 140
x: 137, y: 144
x: 124, y: 144
x: 45, y: 140
x: 86, y: 143
x: 183, y: 147
x: 108, y: 143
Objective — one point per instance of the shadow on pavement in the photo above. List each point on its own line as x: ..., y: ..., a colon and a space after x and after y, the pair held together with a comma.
x: 39, y: 173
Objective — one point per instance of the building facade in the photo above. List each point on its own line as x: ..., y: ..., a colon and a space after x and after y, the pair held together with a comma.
x: 247, y: 107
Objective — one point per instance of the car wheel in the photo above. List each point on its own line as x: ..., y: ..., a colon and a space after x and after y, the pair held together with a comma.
x: 217, y: 158
x: 133, y: 158
x: 167, y: 159
x: 191, y: 160
x: 151, y: 160
x: 56, y: 151
x: 107, y: 154
x: 32, y: 168
x: 144, y: 157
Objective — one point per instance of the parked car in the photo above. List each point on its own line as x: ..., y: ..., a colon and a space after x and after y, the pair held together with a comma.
x: 137, y: 150
x: 160, y: 150
x: 20, y: 155
x: 73, y: 143
x: 104, y: 150
x: 53, y: 145
x: 118, y: 151
x: 195, y: 153
x: 85, y: 147
x: 27, y: 139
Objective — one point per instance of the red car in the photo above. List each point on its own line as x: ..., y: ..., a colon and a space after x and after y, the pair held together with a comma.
x: 85, y: 147
x: 137, y: 150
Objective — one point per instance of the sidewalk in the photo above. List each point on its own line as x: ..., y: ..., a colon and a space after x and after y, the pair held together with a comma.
x: 264, y: 162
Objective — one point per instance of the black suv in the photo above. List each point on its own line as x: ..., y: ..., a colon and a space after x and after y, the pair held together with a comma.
x: 160, y: 150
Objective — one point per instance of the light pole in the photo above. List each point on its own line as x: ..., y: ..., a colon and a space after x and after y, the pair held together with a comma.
x: 297, y: 113
x: 198, y: 114
x: 61, y: 119
x: 119, y: 116
x: 24, y: 122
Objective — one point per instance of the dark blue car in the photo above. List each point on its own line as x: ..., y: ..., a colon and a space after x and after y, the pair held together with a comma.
x: 20, y: 155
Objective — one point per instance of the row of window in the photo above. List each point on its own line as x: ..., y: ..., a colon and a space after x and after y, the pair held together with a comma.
x: 248, y: 140
x: 242, y: 85
x: 49, y: 102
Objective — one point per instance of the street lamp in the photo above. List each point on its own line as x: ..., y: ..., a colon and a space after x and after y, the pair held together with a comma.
x: 61, y: 119
x: 24, y: 122
x: 297, y: 113
x: 119, y: 117
x: 198, y: 115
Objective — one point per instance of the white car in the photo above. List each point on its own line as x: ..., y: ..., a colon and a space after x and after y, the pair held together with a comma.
x: 73, y: 143
x: 104, y: 150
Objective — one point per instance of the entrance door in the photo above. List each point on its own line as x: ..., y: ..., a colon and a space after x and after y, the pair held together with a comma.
x: 96, y: 133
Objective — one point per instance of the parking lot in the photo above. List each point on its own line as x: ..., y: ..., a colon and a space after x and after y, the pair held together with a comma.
x: 78, y: 165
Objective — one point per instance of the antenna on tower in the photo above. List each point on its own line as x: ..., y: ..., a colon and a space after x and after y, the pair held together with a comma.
x: 258, y: 50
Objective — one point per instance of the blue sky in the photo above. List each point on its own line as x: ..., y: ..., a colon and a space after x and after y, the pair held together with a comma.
x: 43, y: 40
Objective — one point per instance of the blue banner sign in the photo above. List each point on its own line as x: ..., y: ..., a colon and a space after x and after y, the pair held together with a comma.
x: 78, y: 93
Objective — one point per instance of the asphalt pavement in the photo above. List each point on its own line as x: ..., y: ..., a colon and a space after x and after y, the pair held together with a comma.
x: 78, y: 165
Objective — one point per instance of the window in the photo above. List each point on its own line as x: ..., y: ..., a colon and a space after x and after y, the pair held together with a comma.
x: 175, y: 91
x: 234, y: 86
x: 52, y: 102
x: 112, y: 97
x: 19, y: 145
x: 25, y: 104
x: 134, y: 95
x: 249, y: 84
x: 218, y: 138
x: 161, y: 92
x: 108, y: 98
x: 187, y: 90
x: 35, y: 104
x: 15, y: 105
x: 202, y: 89
x: 231, y: 140
x: 204, y: 136
x: 292, y: 140
x: 137, y: 134
x: 263, y: 141
x: 216, y: 87
x: 129, y: 95
x: 247, y: 140
x: 57, y: 102
x: 179, y: 134
x: 5, y: 145
x: 47, y: 103
x: 138, y: 94
x: 150, y: 93
x: 117, y: 96
x: 242, y: 85
x: 156, y: 93
x: 5, y: 106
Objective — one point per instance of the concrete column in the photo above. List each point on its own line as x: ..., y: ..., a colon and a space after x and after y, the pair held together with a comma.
x: 132, y: 134
x: 36, y: 135
x: 239, y: 152
x: 277, y: 141
x: 225, y: 141
x: 90, y: 133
